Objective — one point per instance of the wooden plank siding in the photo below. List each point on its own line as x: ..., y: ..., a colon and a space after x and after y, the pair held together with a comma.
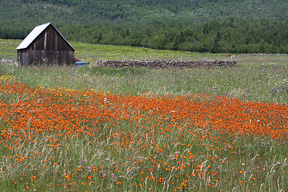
x: 48, y: 48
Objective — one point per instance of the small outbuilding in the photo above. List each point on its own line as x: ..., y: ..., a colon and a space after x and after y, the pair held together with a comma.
x: 45, y: 45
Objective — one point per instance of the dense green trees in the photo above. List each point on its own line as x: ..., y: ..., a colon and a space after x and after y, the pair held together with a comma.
x: 193, y: 25
x: 245, y: 36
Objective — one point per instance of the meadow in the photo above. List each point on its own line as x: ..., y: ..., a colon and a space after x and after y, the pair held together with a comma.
x: 134, y: 129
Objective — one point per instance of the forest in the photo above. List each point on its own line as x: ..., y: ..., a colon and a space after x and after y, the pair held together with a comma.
x: 237, y: 26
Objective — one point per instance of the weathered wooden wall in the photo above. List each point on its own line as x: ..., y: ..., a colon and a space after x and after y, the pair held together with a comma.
x: 49, y: 48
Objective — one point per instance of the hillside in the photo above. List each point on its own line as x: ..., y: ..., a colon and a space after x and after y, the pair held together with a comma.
x: 190, y: 25
x: 90, y: 11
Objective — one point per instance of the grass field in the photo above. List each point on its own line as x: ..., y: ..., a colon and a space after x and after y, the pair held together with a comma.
x: 92, y: 52
x: 134, y: 129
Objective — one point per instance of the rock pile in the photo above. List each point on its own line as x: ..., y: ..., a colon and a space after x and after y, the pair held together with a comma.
x: 167, y: 64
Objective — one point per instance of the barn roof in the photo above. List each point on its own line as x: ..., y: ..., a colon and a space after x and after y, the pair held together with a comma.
x: 35, y: 33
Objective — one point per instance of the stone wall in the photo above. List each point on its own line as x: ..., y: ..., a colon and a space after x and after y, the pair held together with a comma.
x: 167, y: 64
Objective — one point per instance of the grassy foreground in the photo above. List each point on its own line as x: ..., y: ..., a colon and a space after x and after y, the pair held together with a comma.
x: 58, y: 139
x: 94, y: 129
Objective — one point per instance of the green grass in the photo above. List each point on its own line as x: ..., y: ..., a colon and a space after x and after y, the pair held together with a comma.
x: 257, y: 78
x: 8, y: 48
x: 265, y: 82
x: 94, y: 52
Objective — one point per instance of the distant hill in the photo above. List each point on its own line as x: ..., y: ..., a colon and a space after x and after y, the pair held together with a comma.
x: 95, y: 11
x: 190, y: 25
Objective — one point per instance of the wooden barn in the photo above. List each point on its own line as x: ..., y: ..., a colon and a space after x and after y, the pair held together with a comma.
x: 45, y: 45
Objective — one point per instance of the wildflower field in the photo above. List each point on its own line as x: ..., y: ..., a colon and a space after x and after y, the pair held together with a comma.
x: 93, y: 129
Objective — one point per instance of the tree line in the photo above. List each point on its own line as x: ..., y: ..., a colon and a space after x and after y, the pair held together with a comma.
x: 228, y: 35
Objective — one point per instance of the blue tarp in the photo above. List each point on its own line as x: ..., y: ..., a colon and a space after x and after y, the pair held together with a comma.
x: 81, y: 63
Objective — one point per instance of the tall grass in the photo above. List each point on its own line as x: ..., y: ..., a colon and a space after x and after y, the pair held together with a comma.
x: 259, y: 82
